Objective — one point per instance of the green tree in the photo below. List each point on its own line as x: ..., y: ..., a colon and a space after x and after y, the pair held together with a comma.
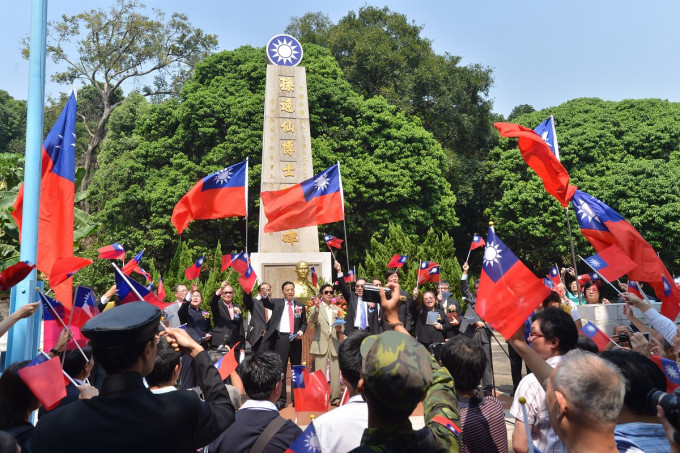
x: 12, y: 124
x: 122, y: 45
x: 624, y: 153
x: 391, y: 166
x: 521, y: 109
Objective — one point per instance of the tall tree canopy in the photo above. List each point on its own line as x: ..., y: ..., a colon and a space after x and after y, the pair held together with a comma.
x: 626, y: 154
x: 122, y: 44
x: 391, y: 166
x: 382, y: 53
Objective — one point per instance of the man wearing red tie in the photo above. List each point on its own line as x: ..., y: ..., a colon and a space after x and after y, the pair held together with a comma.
x: 289, y: 320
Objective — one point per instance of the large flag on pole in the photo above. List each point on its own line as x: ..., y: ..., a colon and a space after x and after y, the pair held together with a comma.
x: 604, y: 227
x: 546, y: 130
x: 218, y: 195
x: 57, y: 189
x: 538, y: 155
x: 316, y: 201
x: 611, y: 263
x: 508, y: 291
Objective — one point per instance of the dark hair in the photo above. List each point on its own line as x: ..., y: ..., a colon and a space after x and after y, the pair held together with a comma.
x: 596, y: 284
x: 325, y: 286
x: 389, y: 272
x: 8, y: 443
x: 74, y: 362
x: 166, y: 361
x: 174, y: 290
x: 349, y: 357
x: 116, y: 360
x: 260, y: 375
x: 552, y: 297
x: 444, y: 282
x: 466, y: 362
x: 286, y: 284
x: 555, y: 323
x: 16, y: 399
x: 586, y: 344
x: 642, y: 375
x: 264, y: 283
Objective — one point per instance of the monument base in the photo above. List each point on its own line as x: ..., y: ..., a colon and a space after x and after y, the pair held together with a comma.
x: 276, y: 268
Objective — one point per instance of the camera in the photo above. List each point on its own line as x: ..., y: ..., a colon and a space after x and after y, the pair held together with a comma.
x: 371, y: 294
x: 436, y: 351
x: 623, y: 338
x: 671, y: 407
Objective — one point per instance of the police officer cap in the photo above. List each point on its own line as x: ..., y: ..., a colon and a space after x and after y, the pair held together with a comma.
x: 124, y: 325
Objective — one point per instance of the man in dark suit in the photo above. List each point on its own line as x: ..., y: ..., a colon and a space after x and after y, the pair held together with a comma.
x: 228, y: 329
x: 360, y: 315
x: 258, y: 334
x: 286, y: 327
x: 451, y: 306
x: 258, y: 420
x: 126, y: 416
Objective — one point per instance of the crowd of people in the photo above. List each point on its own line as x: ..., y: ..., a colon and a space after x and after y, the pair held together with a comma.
x: 146, y: 380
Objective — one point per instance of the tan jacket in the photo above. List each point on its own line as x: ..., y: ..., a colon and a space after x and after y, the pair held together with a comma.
x: 323, y: 334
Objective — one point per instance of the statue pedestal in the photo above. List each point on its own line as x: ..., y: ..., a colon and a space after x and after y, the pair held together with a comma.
x: 276, y: 268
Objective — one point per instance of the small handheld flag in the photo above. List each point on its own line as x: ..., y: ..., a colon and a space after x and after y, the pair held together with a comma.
x: 65, y: 268
x: 332, y: 241
x: 593, y: 332
x: 307, y: 442
x: 634, y: 288
x: 247, y: 279
x: 671, y: 370
x: 428, y: 272
x: 133, y: 263
x: 14, y: 274
x: 112, y: 252
x: 350, y: 276
x: 477, y: 241
x: 161, y: 289
x: 193, y: 271
x: 228, y: 362
x: 44, y: 377
x: 397, y: 261
x: 315, y: 278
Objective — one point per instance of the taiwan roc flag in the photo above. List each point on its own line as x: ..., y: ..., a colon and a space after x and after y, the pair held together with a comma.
x: 218, y: 195
x: 315, y: 201
x: 57, y: 189
x: 508, y: 291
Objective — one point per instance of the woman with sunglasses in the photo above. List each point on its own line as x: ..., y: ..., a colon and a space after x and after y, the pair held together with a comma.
x: 325, y: 343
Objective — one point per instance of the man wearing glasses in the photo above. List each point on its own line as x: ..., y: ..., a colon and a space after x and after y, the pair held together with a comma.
x: 228, y: 328
x: 553, y: 334
x: 325, y: 343
x: 360, y: 315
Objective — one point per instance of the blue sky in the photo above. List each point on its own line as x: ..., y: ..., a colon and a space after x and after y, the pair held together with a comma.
x: 542, y: 53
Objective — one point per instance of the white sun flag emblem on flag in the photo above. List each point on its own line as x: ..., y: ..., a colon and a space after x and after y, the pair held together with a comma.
x: 223, y: 176
x: 322, y: 182
x: 312, y: 443
x: 590, y: 328
x: 492, y: 254
x: 595, y: 263
x: 672, y: 372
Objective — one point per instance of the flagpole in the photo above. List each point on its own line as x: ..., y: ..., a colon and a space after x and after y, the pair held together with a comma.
x: 127, y: 281
x: 601, y: 276
x: 62, y: 369
x: 573, y: 256
x: 246, y: 203
x: 468, y: 257
x: 61, y: 321
x: 344, y: 217
x: 418, y: 276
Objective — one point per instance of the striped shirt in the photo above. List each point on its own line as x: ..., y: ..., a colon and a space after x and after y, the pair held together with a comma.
x: 483, y: 425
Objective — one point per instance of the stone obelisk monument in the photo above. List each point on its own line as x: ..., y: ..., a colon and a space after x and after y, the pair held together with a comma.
x: 286, y: 160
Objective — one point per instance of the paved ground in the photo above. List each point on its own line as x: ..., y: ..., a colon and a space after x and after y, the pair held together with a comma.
x: 502, y: 377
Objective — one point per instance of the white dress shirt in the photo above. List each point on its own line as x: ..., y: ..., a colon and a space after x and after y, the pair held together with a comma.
x: 341, y: 429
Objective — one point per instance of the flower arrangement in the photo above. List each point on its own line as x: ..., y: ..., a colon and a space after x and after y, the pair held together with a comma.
x: 451, y: 308
x: 205, y: 314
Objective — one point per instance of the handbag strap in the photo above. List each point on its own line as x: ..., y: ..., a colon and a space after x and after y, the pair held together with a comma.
x: 266, y: 435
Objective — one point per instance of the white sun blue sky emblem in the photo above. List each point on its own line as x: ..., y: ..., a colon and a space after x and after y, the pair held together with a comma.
x: 312, y: 442
x: 584, y: 210
x: 594, y: 263
x: 672, y: 372
x: 222, y: 177
x: 666, y: 288
x: 322, y: 182
x: 284, y: 50
x: 590, y: 328
x: 492, y: 254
